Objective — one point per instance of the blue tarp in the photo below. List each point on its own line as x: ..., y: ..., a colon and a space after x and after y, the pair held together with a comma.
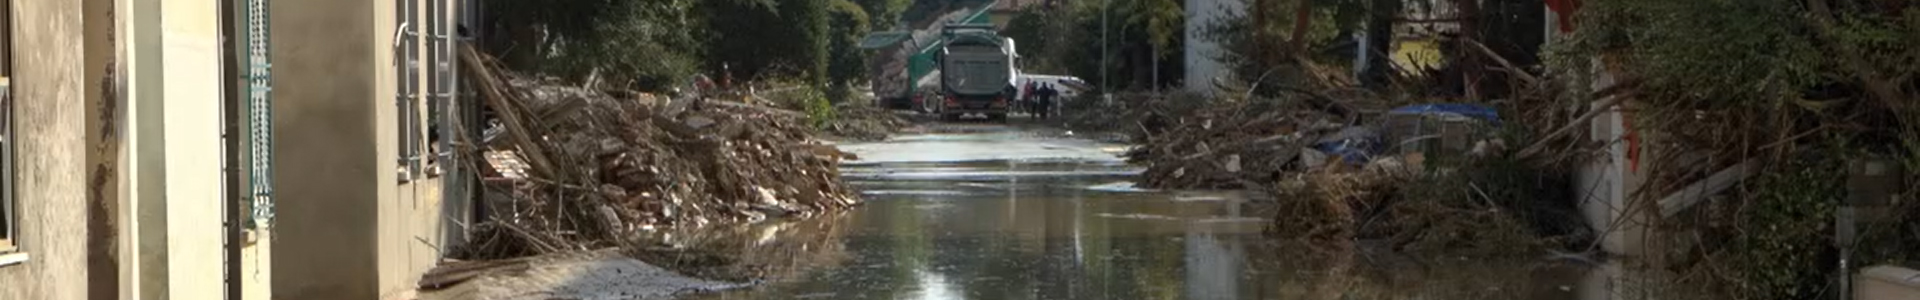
x: 1470, y: 110
x: 1357, y: 145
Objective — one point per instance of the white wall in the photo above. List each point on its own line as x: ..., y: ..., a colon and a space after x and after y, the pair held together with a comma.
x: 175, y: 88
x: 1605, y: 184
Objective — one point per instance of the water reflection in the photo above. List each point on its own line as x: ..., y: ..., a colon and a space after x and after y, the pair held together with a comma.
x: 1055, y: 238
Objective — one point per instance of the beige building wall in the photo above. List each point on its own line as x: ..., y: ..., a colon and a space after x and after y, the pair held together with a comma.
x: 347, y: 227
x: 172, y: 230
x: 191, y: 108
x: 47, y: 94
x: 256, y: 268
x: 329, y: 169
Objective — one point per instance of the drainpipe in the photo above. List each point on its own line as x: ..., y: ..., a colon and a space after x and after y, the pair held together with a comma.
x: 231, y: 182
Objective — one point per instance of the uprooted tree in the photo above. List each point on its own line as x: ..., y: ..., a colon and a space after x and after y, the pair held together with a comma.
x: 1798, y: 88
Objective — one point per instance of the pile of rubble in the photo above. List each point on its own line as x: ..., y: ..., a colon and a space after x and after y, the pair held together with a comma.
x: 1228, y: 145
x: 594, y: 168
x: 864, y: 123
x: 1422, y: 176
x: 1131, y: 114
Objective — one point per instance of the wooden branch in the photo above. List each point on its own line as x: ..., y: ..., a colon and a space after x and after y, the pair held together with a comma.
x: 1301, y: 16
x: 1882, y: 87
x: 494, y: 91
x: 1426, y: 21
x: 1512, y: 69
x: 1617, y: 95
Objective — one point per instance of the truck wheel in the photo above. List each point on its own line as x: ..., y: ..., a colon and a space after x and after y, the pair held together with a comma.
x: 997, y: 117
x: 950, y: 116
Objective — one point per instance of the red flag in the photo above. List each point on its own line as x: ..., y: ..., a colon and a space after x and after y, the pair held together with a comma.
x: 1564, y: 10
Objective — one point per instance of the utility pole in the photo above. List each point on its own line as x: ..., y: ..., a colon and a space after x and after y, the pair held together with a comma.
x: 1105, y: 8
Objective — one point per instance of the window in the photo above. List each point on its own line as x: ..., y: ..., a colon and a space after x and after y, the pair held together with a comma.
x: 425, y: 44
x: 9, y: 225
x: 440, y: 85
x: 408, y: 94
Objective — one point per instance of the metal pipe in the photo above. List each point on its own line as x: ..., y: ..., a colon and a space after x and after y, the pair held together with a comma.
x: 1105, y: 8
x: 232, y: 178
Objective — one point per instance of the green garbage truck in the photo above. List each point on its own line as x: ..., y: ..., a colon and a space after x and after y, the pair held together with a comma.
x: 977, y: 73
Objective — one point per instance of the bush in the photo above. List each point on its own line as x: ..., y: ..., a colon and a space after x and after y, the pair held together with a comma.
x: 1778, y: 244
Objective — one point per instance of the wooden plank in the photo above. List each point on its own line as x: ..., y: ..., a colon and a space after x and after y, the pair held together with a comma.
x: 1699, y: 190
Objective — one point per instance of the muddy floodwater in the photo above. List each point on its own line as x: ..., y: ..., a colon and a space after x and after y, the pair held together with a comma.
x: 1005, y: 212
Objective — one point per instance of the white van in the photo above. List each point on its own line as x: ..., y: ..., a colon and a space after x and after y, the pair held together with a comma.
x: 1069, y: 86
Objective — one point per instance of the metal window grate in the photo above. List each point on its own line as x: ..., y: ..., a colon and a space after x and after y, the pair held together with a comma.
x: 406, y: 42
x: 259, y: 111
x: 8, y: 230
x: 8, y: 222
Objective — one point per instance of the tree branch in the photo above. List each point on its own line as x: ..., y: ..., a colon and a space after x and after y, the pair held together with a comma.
x: 1426, y: 21
x: 1882, y: 88
x: 1609, y: 97
x: 1302, y: 14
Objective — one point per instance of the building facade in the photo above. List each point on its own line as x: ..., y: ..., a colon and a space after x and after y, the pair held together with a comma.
x: 151, y: 146
x: 40, y: 146
x: 360, y: 99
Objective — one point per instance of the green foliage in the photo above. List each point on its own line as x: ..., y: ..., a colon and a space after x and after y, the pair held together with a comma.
x: 884, y: 14
x: 926, y: 10
x: 1068, y: 40
x: 606, y: 35
x: 847, y: 63
x: 1719, y: 52
x: 1252, y: 49
x: 1163, y: 20
x: 1778, y: 241
x: 754, y: 40
x: 819, y: 109
x: 1041, y: 38
x: 1721, y: 78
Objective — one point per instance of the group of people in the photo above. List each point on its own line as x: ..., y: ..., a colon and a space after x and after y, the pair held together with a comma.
x: 1039, y: 99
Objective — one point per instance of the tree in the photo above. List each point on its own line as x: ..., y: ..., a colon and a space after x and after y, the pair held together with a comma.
x: 1745, y: 80
x: 884, y: 14
x: 753, y: 40
x: 1254, y: 44
x: 1163, y: 22
x: 847, y: 63
x: 1140, y: 41
x: 1040, y: 37
x: 582, y: 37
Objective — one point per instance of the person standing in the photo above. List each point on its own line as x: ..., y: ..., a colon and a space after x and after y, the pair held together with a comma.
x: 1026, y: 98
x: 1047, y: 100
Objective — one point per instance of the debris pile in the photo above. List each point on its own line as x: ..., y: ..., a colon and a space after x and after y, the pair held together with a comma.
x: 1130, y: 113
x: 1429, y: 177
x: 1485, y: 207
x: 1230, y: 145
x: 864, y: 123
x: 599, y: 167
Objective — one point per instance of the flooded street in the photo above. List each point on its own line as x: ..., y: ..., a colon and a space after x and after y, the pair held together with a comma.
x: 978, y: 211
